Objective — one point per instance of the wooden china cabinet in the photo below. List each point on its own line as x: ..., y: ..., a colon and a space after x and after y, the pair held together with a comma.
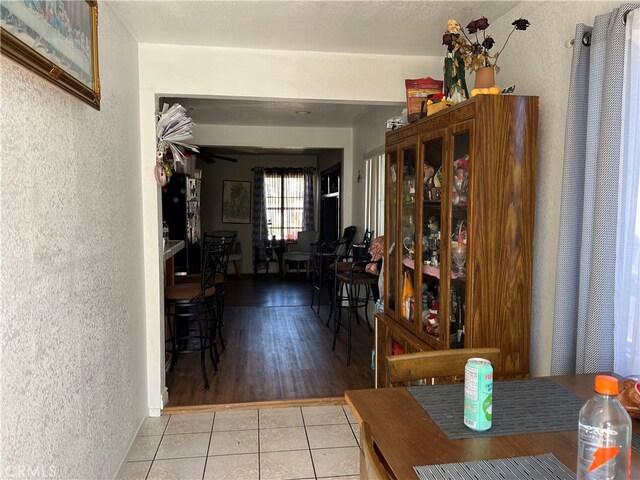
x: 459, y: 218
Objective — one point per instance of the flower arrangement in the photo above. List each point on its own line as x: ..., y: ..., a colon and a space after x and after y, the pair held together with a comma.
x: 475, y: 50
x: 173, y: 128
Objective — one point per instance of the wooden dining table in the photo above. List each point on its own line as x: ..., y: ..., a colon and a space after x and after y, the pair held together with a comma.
x: 406, y: 436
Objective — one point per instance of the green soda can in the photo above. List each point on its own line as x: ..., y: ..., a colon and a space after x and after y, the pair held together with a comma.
x: 478, y: 394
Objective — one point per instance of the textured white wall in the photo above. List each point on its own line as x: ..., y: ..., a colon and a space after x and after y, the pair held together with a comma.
x: 72, y: 335
x: 538, y: 62
x: 368, y: 140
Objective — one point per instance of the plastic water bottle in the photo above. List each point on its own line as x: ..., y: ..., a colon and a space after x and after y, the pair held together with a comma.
x: 604, y: 435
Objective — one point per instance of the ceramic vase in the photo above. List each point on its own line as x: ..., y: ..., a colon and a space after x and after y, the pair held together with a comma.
x: 485, y: 78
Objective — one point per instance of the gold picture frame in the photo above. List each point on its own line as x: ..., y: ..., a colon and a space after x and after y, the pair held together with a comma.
x: 58, y: 40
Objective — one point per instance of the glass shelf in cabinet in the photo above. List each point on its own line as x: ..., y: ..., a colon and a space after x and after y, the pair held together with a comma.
x: 429, y: 270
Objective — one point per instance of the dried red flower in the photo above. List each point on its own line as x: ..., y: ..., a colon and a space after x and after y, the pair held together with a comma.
x: 448, y: 38
x: 482, y: 23
x: 521, y: 24
x: 473, y: 26
x: 488, y: 43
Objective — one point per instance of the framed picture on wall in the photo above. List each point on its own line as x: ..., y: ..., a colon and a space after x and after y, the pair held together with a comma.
x: 58, y: 40
x: 236, y: 202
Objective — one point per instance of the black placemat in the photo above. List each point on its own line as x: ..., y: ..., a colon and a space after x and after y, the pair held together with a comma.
x: 635, y: 443
x: 519, y: 406
x: 540, y: 467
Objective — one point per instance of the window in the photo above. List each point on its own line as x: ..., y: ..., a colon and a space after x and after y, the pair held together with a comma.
x: 627, y: 276
x: 374, y: 194
x: 284, y: 196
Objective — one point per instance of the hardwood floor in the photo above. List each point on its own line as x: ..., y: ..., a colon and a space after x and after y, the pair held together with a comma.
x: 277, y: 349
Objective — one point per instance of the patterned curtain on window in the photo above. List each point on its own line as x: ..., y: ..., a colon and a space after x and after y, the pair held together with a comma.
x: 307, y: 209
x: 259, y: 216
x: 583, y: 330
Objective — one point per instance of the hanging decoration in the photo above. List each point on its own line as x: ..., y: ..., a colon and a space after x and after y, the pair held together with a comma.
x: 173, y: 128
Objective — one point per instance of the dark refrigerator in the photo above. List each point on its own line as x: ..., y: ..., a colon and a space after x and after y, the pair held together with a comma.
x: 181, y: 211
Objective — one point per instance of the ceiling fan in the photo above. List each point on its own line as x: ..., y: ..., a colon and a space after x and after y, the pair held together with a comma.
x: 208, y: 156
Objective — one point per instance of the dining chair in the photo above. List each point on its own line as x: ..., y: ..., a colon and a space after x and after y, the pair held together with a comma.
x: 408, y: 367
x: 303, y: 251
x: 372, y: 467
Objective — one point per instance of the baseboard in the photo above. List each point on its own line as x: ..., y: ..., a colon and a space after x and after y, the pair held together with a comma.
x: 164, y: 399
x: 305, y: 402
x: 123, y: 462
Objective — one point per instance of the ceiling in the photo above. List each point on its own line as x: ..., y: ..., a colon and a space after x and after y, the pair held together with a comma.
x: 235, y: 151
x: 384, y: 27
x: 279, y: 113
x: 371, y: 27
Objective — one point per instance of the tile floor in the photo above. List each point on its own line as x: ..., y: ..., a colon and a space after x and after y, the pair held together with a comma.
x: 266, y: 444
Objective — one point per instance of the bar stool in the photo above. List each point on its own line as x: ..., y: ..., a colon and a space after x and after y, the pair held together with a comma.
x: 352, y: 280
x: 225, y: 239
x: 343, y: 263
x: 193, y: 302
x: 324, y: 255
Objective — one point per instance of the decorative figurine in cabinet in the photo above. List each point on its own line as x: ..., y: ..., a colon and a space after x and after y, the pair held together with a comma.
x: 459, y: 216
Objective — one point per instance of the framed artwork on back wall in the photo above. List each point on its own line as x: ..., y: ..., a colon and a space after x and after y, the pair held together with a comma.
x: 236, y: 202
x: 58, y: 40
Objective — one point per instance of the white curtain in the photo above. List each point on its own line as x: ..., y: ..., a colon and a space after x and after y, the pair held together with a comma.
x: 627, y: 279
x: 583, y: 329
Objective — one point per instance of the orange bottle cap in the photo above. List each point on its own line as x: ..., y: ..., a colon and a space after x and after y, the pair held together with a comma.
x: 606, y: 385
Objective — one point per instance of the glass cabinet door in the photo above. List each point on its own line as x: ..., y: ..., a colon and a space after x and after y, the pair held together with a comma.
x: 431, y: 288
x: 391, y: 228
x: 459, y: 181
x: 408, y: 237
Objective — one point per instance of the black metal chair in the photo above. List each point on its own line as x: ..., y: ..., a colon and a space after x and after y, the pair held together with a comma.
x: 342, y: 263
x: 227, y: 239
x: 194, y: 303
x: 220, y: 261
x: 352, y: 276
x: 325, y: 254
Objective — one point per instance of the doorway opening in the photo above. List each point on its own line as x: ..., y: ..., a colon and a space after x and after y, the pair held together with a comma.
x: 277, y: 347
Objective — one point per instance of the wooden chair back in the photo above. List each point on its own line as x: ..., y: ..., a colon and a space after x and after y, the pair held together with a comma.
x: 372, y: 468
x: 435, y: 364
